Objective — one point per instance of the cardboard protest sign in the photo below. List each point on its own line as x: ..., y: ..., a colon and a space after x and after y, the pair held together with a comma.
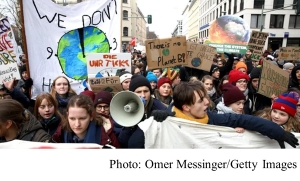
x: 8, y: 56
x: 164, y: 53
x: 256, y: 43
x: 110, y: 84
x: 63, y: 36
x: 200, y: 56
x: 229, y: 34
x: 273, y: 80
x: 107, y: 64
x: 289, y: 53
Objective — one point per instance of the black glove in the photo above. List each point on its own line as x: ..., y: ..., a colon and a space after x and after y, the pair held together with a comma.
x: 160, y: 115
x: 289, y: 138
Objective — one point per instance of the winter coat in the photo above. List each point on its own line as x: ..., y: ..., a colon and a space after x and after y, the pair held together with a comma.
x: 32, y: 130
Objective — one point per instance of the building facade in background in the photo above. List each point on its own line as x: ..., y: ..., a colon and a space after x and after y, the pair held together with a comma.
x: 185, y: 21
x: 193, y: 21
x: 283, y: 25
x: 178, y: 29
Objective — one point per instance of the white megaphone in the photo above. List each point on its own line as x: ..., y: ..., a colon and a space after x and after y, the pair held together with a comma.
x: 126, y: 108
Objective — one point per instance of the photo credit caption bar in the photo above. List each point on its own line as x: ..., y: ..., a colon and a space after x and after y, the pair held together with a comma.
x: 234, y: 164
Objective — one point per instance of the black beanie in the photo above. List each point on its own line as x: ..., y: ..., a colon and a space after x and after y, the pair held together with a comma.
x: 139, y: 81
x: 255, y: 73
x: 22, y: 69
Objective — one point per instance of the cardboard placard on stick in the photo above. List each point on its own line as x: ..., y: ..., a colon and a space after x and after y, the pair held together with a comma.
x: 200, y: 56
x: 164, y: 53
x: 257, y: 43
x: 289, y: 53
x: 273, y: 80
x: 110, y: 84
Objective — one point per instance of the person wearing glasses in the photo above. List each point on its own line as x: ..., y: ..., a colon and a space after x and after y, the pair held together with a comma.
x: 9, y: 91
x: 240, y: 80
x: 101, y: 104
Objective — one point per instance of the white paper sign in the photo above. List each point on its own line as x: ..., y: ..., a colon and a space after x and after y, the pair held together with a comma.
x: 8, y: 56
x: 183, y: 134
x: 107, y: 64
x: 59, y: 38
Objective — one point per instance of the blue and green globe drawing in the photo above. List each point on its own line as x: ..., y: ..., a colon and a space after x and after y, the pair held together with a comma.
x: 72, y: 47
x: 196, y: 62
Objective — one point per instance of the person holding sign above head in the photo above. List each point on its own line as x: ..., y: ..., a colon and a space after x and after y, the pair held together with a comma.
x: 83, y: 125
x: 61, y: 91
x: 141, y: 86
x: 190, y: 103
x: 259, y: 102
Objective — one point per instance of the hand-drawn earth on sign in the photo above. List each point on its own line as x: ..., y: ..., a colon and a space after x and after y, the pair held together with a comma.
x: 73, y: 46
x: 196, y: 62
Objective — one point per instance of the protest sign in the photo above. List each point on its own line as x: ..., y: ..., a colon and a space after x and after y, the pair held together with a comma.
x: 164, y: 53
x: 257, y: 43
x: 8, y: 56
x: 177, y: 133
x: 273, y: 80
x: 63, y: 36
x: 200, y: 56
x: 229, y: 34
x: 110, y: 84
x: 289, y: 53
x: 107, y: 64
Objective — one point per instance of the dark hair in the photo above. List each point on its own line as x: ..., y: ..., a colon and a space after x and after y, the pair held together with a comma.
x: 85, y: 102
x: 14, y: 111
x: 225, y: 77
x: 184, y: 93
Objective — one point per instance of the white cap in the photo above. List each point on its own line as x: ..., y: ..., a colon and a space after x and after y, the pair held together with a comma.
x: 124, y: 77
x: 270, y: 56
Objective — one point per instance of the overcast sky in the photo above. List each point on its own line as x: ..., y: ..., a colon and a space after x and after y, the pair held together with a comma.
x: 165, y: 14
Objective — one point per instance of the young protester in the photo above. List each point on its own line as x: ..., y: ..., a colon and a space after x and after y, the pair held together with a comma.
x: 46, y: 111
x: 61, y: 91
x: 190, y: 103
x: 16, y: 123
x: 83, y: 125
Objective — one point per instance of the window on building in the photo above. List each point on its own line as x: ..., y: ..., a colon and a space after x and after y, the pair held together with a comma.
x: 79, y: 1
x: 255, y: 20
x: 125, y: 31
x: 293, y: 42
x: 295, y: 6
x: 234, y: 7
x: 213, y: 15
x: 278, y: 4
x: 217, y: 15
x: 125, y: 1
x: 221, y: 11
x: 276, y: 21
x: 294, y: 21
x: 125, y: 15
x: 225, y: 7
x: 242, y: 5
x: 229, y: 8
x: 258, y: 4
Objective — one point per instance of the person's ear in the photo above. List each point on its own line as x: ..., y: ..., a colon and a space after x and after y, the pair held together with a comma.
x: 8, y: 124
x: 186, y: 108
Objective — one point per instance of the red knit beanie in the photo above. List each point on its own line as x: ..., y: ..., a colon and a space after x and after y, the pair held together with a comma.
x: 235, y: 75
x: 163, y: 80
x: 89, y: 93
x: 231, y: 94
x: 287, y: 103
